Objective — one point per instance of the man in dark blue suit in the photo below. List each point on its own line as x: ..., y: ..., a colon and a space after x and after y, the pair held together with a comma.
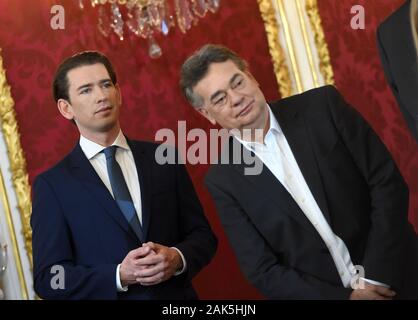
x: 108, y: 221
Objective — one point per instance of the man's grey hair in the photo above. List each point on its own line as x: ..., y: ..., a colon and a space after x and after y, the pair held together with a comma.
x: 197, y: 65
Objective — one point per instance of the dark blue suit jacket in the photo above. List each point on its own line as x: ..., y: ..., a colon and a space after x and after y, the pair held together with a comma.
x: 77, y: 224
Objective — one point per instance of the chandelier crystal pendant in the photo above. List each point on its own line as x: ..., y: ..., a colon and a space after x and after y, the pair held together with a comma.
x: 146, y: 18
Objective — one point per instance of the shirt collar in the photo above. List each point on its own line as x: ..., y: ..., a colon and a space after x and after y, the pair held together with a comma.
x: 274, y: 128
x: 91, y: 149
x: 274, y: 125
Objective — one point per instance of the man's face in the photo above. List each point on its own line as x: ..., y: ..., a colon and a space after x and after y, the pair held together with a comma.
x: 95, y: 100
x: 232, y: 98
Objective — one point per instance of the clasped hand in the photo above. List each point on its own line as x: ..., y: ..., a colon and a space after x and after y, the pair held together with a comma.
x: 149, y: 265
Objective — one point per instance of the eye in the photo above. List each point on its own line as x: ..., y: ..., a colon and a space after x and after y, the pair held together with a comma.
x: 220, y: 101
x: 107, y: 84
x: 85, y: 90
x: 238, y: 84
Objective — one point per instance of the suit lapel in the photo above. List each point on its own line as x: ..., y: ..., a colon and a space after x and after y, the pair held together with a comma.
x: 83, y: 170
x: 294, y: 127
x: 142, y: 163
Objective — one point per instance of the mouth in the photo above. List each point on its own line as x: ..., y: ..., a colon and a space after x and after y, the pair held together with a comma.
x: 103, y: 109
x: 246, y: 109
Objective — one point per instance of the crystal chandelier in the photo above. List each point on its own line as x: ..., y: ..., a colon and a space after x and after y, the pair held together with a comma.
x: 146, y: 18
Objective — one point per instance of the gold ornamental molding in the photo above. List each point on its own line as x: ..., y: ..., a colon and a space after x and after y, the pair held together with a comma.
x: 312, y: 67
x: 281, y: 69
x: 15, y: 247
x: 325, y: 66
x: 290, y: 45
x: 17, y: 160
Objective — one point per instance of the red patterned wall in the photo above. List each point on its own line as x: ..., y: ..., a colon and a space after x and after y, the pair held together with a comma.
x: 152, y: 100
x: 359, y: 76
x: 31, y: 51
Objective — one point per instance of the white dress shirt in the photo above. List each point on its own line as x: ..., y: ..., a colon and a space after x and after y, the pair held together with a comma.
x: 276, y: 154
x: 125, y: 158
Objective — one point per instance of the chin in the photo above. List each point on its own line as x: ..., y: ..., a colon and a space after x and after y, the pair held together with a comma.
x: 107, y: 126
x: 253, y: 115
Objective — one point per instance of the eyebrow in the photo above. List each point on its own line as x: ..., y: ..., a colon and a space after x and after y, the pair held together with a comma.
x: 87, y: 85
x: 217, y: 93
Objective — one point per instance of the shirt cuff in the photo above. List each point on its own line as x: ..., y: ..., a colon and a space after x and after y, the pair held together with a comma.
x: 376, y: 283
x: 184, y: 263
x: 118, y: 284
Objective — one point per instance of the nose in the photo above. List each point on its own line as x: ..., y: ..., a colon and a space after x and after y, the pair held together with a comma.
x: 99, y: 94
x: 236, y: 98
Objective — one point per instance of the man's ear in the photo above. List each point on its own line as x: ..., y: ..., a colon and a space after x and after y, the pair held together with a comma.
x: 207, y: 115
x: 65, y: 109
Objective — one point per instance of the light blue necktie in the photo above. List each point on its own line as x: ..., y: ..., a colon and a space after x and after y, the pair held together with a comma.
x: 121, y: 191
